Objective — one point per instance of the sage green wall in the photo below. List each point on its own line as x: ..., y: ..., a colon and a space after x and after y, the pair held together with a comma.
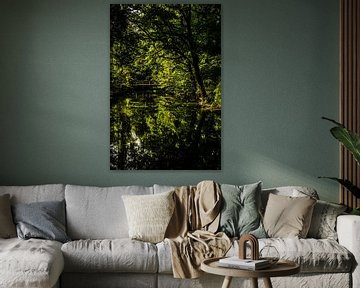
x: 280, y: 75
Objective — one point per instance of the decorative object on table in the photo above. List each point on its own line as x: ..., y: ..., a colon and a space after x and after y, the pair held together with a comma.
x: 351, y: 142
x: 269, y: 253
x: 248, y: 264
x: 241, y: 261
x: 282, y: 268
x: 165, y: 87
x: 254, y: 246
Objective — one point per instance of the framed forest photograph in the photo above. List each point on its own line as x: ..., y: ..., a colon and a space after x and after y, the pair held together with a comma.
x: 165, y: 87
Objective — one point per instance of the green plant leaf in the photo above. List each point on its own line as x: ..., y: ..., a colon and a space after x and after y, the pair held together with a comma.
x: 348, y: 138
x: 355, y: 211
x: 347, y: 184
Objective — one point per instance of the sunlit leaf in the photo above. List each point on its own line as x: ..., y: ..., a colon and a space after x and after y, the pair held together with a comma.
x: 348, y: 138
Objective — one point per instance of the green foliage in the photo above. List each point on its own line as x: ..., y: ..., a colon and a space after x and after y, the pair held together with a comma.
x: 355, y: 211
x: 164, y: 131
x: 351, y: 141
x: 165, y: 81
x: 175, y: 46
x: 347, y: 184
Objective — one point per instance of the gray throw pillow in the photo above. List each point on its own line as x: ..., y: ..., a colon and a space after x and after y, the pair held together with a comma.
x: 44, y: 220
x: 240, y: 213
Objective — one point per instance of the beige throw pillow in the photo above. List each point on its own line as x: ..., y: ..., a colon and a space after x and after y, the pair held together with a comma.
x: 7, y: 226
x: 288, y: 217
x: 149, y: 215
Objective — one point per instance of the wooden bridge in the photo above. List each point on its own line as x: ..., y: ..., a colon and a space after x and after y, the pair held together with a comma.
x: 146, y: 89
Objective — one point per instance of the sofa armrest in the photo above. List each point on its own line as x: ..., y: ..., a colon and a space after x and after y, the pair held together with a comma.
x: 348, y: 230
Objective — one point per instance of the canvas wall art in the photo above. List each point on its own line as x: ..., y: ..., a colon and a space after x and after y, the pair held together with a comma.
x: 165, y: 86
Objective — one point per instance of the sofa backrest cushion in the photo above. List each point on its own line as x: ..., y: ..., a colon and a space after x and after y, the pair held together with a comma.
x: 292, y: 191
x: 36, y: 193
x: 163, y: 188
x: 98, y: 212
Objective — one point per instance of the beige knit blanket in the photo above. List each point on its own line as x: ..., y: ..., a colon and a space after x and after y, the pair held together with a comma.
x: 191, y: 231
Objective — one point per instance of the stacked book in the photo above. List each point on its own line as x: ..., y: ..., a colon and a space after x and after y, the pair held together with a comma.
x: 248, y: 264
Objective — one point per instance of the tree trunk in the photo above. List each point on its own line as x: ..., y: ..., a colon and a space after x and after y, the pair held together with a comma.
x: 194, y: 55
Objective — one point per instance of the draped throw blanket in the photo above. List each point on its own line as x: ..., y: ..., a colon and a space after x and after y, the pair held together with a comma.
x: 191, y: 232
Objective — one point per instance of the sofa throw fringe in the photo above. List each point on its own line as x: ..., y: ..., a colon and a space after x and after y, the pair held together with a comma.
x: 191, y: 232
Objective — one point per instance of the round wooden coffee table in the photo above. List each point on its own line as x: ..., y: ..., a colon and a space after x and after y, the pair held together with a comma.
x: 281, y: 268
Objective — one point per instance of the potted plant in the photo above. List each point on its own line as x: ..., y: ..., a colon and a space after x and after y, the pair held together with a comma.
x: 351, y: 142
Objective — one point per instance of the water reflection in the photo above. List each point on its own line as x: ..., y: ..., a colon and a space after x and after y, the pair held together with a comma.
x: 164, y: 132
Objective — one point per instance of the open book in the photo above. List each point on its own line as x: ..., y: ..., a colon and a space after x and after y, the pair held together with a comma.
x: 236, y: 262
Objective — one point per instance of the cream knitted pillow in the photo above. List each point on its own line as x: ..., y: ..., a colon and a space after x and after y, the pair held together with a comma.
x: 149, y: 215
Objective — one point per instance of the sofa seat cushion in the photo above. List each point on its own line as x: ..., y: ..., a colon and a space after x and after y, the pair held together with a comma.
x: 164, y: 257
x: 110, y: 255
x: 98, y: 212
x: 313, y: 255
x: 30, y: 263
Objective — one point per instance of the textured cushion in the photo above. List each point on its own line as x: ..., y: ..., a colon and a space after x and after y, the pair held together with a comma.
x: 98, y: 212
x: 149, y: 215
x: 240, y: 210
x: 117, y: 255
x: 313, y: 255
x: 7, y: 227
x: 30, y: 263
x: 164, y: 257
x: 163, y: 188
x: 36, y: 193
x: 323, y: 222
x: 287, y: 216
x: 44, y: 220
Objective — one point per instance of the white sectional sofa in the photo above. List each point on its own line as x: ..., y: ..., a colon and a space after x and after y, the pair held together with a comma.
x: 100, y: 253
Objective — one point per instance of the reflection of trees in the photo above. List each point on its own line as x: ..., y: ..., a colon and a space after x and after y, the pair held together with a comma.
x: 165, y: 136
x: 165, y: 87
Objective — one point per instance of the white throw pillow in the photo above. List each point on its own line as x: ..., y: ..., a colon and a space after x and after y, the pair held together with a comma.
x: 149, y: 215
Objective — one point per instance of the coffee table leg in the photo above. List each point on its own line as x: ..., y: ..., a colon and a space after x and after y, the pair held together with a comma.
x: 267, y: 283
x: 227, y: 282
x: 254, y: 282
